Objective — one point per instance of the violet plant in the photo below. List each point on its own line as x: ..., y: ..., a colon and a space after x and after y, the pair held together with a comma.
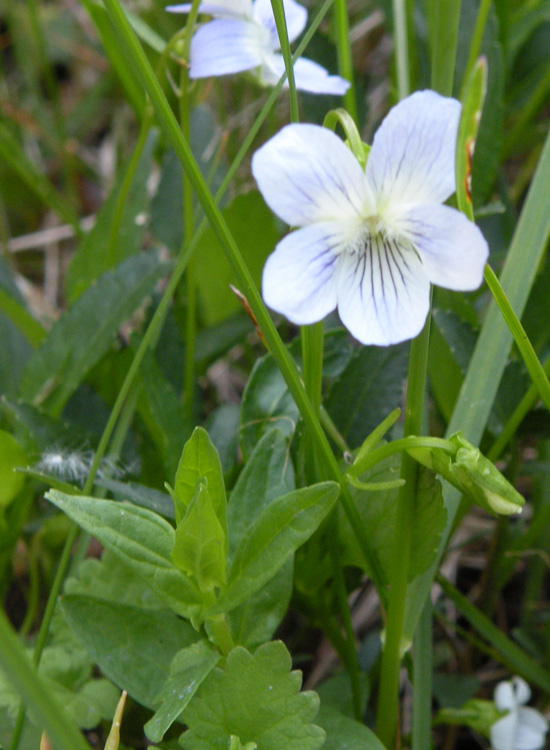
x: 246, y: 502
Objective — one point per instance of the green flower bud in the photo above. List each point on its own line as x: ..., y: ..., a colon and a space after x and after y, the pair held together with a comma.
x: 467, y: 469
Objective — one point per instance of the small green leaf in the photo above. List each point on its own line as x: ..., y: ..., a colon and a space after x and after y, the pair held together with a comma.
x: 285, y: 524
x: 344, y: 732
x: 200, y: 460
x: 141, y: 539
x: 189, y: 668
x: 199, y: 548
x: 256, y: 699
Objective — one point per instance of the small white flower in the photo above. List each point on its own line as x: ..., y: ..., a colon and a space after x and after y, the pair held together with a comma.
x: 369, y: 240
x: 244, y: 36
x: 522, y: 728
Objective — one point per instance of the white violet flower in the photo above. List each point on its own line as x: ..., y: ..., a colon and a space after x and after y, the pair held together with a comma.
x: 369, y: 241
x: 522, y: 728
x: 244, y: 36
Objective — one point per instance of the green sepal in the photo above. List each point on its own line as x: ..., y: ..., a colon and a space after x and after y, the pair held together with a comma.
x: 200, y: 542
x: 477, y: 714
x: 467, y: 469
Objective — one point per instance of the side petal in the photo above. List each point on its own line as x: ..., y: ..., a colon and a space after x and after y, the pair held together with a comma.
x: 521, y: 690
x: 383, y: 293
x: 295, y: 15
x: 452, y: 248
x: 227, y: 45
x: 307, y: 174
x: 308, y: 75
x: 503, y: 732
x: 531, y: 730
x: 299, y: 278
x: 218, y: 8
x: 413, y: 152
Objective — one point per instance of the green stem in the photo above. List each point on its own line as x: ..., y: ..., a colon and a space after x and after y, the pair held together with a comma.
x: 282, y: 31
x: 341, y: 593
x: 387, y: 717
x: 423, y: 670
x: 246, y: 284
x: 345, y: 62
x: 401, y: 41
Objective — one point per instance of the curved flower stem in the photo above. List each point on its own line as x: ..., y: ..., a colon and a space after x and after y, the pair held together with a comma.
x: 343, y: 47
x: 387, y: 717
x: 282, y: 31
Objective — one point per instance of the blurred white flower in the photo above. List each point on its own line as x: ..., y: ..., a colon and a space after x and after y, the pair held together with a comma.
x: 369, y: 240
x: 244, y: 36
x: 522, y: 728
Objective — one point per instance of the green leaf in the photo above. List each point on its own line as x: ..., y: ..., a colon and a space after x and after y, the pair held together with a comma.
x: 12, y: 456
x: 188, y: 670
x: 266, y: 403
x: 267, y: 475
x: 162, y: 411
x: 200, y: 460
x: 370, y: 387
x: 84, y: 333
x: 223, y: 428
x: 257, y: 699
x: 344, y: 732
x: 378, y: 512
x: 139, y: 494
x: 15, y: 349
x: 285, y: 524
x: 132, y: 646
x: 201, y: 542
x: 141, y: 539
x: 119, y: 226
x: 21, y: 319
x: 256, y: 232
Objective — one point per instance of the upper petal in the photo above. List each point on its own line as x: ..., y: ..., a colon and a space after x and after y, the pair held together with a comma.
x: 219, y: 8
x: 383, y: 293
x: 452, y: 248
x: 299, y: 278
x: 503, y: 731
x: 226, y: 45
x: 295, y: 15
x: 307, y: 174
x: 531, y: 730
x: 412, y: 159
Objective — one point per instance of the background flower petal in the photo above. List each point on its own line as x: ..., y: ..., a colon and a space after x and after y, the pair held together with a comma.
x: 227, y: 45
x: 307, y: 174
x: 452, y: 248
x: 531, y: 729
x: 505, y: 696
x: 295, y: 14
x: 521, y: 689
x: 299, y: 278
x: 383, y: 293
x: 219, y: 8
x: 503, y: 731
x: 308, y: 75
x: 413, y: 152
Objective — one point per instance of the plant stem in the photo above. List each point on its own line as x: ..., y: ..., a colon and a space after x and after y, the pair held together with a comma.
x: 401, y: 42
x: 445, y: 26
x: 387, y: 717
x: 343, y: 48
x: 282, y: 31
